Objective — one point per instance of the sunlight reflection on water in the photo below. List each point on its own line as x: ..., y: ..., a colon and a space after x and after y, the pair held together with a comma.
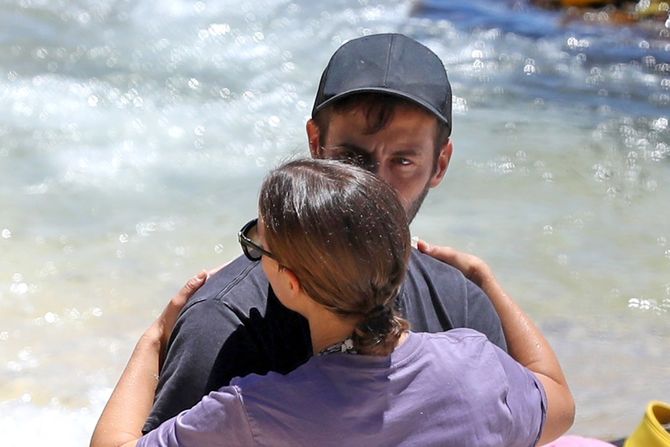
x: 134, y: 138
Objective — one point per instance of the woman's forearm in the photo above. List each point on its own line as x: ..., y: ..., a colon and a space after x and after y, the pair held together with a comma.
x: 528, y: 346
x: 130, y: 403
x: 525, y: 342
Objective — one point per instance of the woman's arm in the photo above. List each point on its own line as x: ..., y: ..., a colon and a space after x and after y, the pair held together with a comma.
x: 130, y: 403
x: 525, y: 342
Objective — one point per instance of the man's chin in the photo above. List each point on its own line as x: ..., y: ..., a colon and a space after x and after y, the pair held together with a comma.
x: 415, y: 205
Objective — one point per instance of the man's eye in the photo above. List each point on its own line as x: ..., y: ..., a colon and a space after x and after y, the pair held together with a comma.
x: 403, y: 161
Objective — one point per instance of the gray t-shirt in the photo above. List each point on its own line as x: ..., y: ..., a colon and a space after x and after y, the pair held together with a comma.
x: 453, y: 388
x: 235, y: 326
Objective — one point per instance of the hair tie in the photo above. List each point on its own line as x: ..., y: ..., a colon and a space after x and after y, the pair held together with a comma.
x: 378, y: 311
x: 378, y: 322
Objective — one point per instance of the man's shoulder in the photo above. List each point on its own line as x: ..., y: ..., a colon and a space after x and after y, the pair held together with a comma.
x: 239, y: 298
x: 437, y: 297
x: 240, y: 283
x: 434, y: 271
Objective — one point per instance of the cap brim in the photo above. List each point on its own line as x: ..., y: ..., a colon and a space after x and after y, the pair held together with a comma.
x: 385, y: 91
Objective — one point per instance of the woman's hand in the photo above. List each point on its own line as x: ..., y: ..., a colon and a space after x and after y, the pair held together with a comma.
x: 471, y: 266
x: 161, y: 329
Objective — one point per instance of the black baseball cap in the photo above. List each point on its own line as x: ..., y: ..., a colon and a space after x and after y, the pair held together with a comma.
x: 391, y: 64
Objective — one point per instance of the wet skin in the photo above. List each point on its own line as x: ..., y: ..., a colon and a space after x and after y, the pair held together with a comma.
x: 402, y: 153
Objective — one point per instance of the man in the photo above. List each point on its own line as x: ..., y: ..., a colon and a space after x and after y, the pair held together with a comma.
x: 384, y: 101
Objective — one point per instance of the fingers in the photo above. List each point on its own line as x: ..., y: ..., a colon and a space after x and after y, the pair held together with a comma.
x: 169, y: 316
x: 188, y: 290
x: 471, y: 266
x: 193, y: 284
x: 444, y: 254
x: 432, y: 250
x: 423, y: 246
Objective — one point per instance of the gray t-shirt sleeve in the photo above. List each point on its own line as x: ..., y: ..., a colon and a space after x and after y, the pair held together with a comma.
x: 218, y: 420
x: 194, y: 349
x: 437, y: 297
x: 232, y: 326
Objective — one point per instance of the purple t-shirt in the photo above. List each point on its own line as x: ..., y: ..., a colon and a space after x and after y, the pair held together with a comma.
x: 451, y: 388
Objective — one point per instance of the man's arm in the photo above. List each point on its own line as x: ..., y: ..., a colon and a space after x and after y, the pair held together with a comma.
x: 233, y: 326
x: 201, y: 335
x: 525, y: 341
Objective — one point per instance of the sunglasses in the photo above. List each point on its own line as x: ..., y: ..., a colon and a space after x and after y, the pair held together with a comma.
x: 248, y: 237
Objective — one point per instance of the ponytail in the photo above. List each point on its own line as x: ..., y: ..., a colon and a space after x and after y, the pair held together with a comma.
x: 379, y: 331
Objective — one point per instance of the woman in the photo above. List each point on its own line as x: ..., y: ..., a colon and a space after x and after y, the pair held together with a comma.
x: 334, y: 243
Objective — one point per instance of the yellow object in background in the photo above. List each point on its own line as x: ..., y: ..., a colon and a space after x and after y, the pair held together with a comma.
x: 632, y: 10
x: 650, y: 432
x: 653, y: 8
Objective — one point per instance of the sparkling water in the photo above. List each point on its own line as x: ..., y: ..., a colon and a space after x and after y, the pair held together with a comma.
x: 134, y: 136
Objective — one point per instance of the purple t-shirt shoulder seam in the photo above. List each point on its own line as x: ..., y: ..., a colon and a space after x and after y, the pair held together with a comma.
x: 240, y: 398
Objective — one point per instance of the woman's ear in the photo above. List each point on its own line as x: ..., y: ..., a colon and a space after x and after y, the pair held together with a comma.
x: 292, y: 281
x: 294, y: 296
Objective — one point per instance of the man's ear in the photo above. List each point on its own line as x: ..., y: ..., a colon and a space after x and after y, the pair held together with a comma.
x: 314, y: 138
x: 442, y: 163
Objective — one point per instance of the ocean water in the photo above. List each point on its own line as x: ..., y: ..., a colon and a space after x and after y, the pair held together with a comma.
x: 134, y: 136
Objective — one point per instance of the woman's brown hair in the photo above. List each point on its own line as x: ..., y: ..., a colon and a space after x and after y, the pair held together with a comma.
x: 343, y: 232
